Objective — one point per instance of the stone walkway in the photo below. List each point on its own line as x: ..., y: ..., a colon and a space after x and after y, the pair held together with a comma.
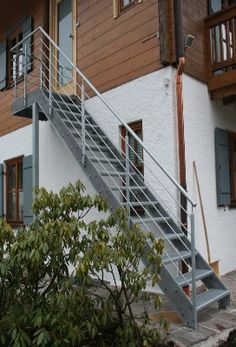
x: 214, y: 324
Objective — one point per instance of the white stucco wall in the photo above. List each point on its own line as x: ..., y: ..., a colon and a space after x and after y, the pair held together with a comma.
x: 202, y: 115
x: 152, y: 99
x: 57, y: 166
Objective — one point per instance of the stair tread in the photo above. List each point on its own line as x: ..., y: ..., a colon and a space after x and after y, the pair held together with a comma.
x: 174, y: 236
x: 115, y: 173
x: 144, y: 203
x: 91, y: 137
x: 187, y: 277
x: 155, y: 219
x: 67, y: 103
x: 177, y: 256
x: 58, y: 109
x: 131, y: 188
x: 79, y: 123
x: 107, y: 160
x: 210, y: 296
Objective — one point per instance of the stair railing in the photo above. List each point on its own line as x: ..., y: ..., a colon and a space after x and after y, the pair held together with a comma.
x: 45, y: 73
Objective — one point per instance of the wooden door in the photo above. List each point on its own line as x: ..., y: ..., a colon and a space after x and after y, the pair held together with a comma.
x: 63, y: 32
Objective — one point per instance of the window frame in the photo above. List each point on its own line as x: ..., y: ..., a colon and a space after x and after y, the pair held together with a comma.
x: 135, y: 126
x: 119, y: 9
x: 232, y: 168
x: 123, y: 7
x: 10, y: 75
x: 14, y: 161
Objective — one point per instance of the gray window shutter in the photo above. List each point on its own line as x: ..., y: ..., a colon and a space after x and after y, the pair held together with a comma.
x: 27, y: 190
x: 27, y: 29
x: 3, y: 64
x: 1, y: 191
x: 222, y: 167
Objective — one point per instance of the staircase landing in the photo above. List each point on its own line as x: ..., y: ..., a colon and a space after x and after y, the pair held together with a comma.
x: 214, y: 324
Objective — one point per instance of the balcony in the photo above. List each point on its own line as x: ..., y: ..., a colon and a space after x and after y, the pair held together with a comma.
x: 221, y: 54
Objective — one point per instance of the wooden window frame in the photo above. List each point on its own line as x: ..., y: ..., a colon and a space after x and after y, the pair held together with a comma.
x: 10, y: 77
x: 224, y: 4
x: 119, y: 8
x: 135, y: 126
x: 8, y: 163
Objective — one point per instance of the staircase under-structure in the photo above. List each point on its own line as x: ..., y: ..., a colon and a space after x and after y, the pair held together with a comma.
x: 152, y: 202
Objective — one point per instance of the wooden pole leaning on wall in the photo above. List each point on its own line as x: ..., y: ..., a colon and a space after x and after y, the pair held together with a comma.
x: 214, y: 264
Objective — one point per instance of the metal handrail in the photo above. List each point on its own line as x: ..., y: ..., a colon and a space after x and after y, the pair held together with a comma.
x: 149, y: 215
x: 48, y: 87
x: 178, y: 186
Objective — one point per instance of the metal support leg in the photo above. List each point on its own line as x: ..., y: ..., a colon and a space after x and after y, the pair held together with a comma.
x: 25, y: 74
x: 194, y: 294
x: 35, y: 147
x: 127, y: 176
x: 50, y: 78
x: 83, y: 121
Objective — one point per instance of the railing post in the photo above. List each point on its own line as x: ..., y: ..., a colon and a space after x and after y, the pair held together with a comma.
x: 35, y: 119
x: 25, y: 74
x: 83, y: 121
x: 15, y: 77
x: 127, y: 175
x: 41, y: 73
x: 194, y: 294
x: 50, y: 78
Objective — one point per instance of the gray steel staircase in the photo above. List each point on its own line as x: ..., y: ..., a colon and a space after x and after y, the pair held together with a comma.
x: 112, y: 173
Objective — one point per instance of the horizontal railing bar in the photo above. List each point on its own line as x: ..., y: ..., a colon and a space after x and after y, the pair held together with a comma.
x: 178, y: 186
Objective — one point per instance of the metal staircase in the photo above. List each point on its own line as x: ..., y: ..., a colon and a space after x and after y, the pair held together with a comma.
x: 151, y: 199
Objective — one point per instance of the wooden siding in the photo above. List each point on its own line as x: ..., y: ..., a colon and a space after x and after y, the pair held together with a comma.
x: 194, y: 13
x: 9, y: 123
x: 112, y: 51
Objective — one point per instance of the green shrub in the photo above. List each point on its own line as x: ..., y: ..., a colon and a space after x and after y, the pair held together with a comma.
x: 47, y: 273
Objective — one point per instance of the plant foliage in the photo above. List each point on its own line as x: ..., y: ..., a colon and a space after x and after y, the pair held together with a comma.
x: 48, y: 295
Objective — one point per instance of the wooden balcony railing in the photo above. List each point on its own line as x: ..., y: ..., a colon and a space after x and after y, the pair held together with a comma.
x: 221, y: 48
x: 221, y: 39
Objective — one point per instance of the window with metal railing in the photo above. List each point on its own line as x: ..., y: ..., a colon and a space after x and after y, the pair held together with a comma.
x: 15, y: 59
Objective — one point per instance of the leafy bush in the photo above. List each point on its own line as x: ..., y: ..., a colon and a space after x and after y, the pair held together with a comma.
x: 47, y: 273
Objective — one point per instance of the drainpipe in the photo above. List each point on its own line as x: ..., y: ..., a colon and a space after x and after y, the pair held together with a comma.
x: 180, y: 58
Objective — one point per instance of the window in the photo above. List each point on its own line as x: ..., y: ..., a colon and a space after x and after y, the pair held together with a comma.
x: 11, y: 65
x: 232, y: 166
x: 218, y: 5
x: 122, y: 5
x: 14, y: 191
x: 136, y: 158
x: 15, y: 59
x: 225, y: 151
x: 135, y: 149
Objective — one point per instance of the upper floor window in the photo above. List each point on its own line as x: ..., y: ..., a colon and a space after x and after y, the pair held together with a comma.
x: 15, y: 59
x: 218, y: 5
x: 11, y: 63
x: 122, y: 5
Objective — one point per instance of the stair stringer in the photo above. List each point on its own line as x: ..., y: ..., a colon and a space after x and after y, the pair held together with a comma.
x: 76, y: 151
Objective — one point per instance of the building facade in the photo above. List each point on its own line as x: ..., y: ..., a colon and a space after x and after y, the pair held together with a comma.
x: 130, y: 51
